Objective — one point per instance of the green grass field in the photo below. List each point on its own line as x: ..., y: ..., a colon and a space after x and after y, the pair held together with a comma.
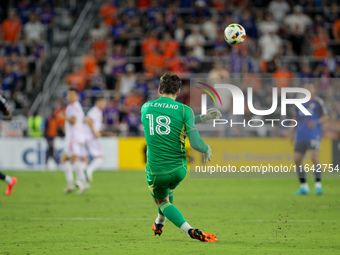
x: 249, y: 216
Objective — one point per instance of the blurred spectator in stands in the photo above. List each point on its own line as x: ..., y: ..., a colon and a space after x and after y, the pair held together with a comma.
x: 117, y: 60
x: 210, y: 28
x: 134, y: 30
x: 18, y: 100
x: 24, y: 9
x: 336, y: 73
x: 171, y: 14
x: 154, y: 63
x: 143, y: 4
x: 220, y: 46
x: 270, y: 45
x: 249, y: 24
x: 96, y: 84
x: 47, y: 17
x: 296, y: 40
x: 282, y: 76
x: 35, y: 125
x: 159, y: 24
x: 331, y: 62
x: 218, y: 72
x: 279, y: 9
x: 142, y: 87
x: 150, y: 43
x: 19, y: 65
x: 111, y: 115
x: 33, y: 30
x: 199, y: 12
x: 268, y: 25
x: 152, y: 11
x: 336, y: 35
x: 323, y: 74
x: 318, y: 21
x: 176, y: 64
x: 133, y: 121
x: 11, y: 28
x: 36, y: 59
x: 100, y: 47
x: 89, y: 63
x: 332, y: 14
x: 168, y: 46
x: 2, y: 65
x: 133, y: 101
x: 127, y: 82
x: 50, y: 133
x: 237, y: 59
x: 119, y: 31
x: 59, y: 113
x: 108, y: 12
x: 298, y: 20
x: 195, y: 41
x: 179, y: 32
x: 77, y: 79
x: 192, y: 63
x: 320, y: 43
x: 99, y: 31
x: 306, y: 75
x: 130, y: 9
x: 10, y: 78
x: 9, y: 48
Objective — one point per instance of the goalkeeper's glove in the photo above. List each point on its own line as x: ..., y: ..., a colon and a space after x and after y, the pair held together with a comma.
x: 208, y: 155
x: 212, y: 113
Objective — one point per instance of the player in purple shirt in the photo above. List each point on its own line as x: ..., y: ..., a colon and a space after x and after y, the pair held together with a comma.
x: 308, y: 137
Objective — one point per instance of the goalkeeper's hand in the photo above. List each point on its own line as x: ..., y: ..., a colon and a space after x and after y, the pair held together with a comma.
x: 212, y: 113
x: 208, y: 155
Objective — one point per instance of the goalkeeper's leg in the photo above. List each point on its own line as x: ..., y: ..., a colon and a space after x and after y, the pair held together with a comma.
x: 157, y: 227
x: 176, y: 217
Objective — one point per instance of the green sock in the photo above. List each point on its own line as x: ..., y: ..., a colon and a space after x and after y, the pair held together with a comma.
x: 160, y: 212
x: 173, y: 214
x: 171, y: 199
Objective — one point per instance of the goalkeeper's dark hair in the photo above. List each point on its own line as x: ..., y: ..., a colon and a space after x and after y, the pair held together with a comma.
x: 170, y: 83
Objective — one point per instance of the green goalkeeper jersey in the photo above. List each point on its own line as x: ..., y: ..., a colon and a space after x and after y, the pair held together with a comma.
x: 166, y: 123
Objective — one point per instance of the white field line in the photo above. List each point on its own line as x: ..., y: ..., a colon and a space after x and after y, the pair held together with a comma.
x: 150, y: 219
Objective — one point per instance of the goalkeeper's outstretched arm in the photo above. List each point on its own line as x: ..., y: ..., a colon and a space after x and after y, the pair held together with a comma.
x: 195, y: 139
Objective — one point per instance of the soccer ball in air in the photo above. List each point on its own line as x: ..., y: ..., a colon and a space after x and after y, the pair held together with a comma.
x: 234, y: 34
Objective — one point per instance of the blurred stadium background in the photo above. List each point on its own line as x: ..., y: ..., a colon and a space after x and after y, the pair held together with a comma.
x: 119, y: 49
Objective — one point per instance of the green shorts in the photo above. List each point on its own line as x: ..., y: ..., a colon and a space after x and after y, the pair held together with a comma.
x: 160, y: 185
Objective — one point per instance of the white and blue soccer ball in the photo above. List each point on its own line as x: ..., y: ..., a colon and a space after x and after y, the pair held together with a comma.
x: 234, y: 34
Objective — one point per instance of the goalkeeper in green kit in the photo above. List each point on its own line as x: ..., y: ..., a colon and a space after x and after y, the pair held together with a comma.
x: 166, y: 123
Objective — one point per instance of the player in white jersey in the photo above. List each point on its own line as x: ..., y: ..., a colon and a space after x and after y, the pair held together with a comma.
x: 94, y: 120
x: 74, y: 143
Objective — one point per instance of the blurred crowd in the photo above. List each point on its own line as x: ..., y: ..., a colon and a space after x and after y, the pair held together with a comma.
x: 135, y: 41
x: 25, y: 34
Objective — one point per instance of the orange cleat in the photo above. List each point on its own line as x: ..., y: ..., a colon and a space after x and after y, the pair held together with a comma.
x: 10, y: 186
x: 157, y: 228
x: 203, y: 237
